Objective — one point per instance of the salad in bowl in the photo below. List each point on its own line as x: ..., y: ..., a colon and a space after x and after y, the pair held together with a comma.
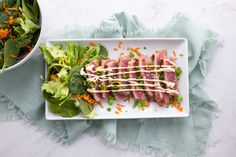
x: 20, y: 28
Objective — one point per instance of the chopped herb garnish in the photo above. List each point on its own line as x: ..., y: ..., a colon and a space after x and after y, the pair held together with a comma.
x: 161, y: 76
x: 140, y: 103
x: 111, y: 100
x: 109, y: 109
x: 131, y: 54
x: 179, y: 99
x: 103, y: 87
x: 126, y: 75
x: 115, y: 82
x: 178, y: 72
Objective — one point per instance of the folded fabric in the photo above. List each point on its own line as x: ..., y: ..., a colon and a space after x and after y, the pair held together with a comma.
x: 21, y: 97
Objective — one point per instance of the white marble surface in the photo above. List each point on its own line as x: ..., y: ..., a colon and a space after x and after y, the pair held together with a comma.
x: 19, y: 139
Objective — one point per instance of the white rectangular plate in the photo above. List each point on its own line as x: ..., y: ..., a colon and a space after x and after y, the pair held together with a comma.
x: 180, y: 45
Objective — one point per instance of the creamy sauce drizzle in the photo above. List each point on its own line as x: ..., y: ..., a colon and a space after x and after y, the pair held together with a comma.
x: 156, y: 81
x: 169, y: 84
x: 170, y: 91
x: 168, y: 69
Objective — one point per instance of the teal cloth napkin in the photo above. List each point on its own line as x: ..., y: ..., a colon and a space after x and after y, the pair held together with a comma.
x: 21, y: 97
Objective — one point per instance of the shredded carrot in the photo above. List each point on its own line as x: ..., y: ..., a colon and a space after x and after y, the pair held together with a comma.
x: 119, y: 109
x: 14, y: 56
x: 87, y: 98
x: 100, y: 104
x: 92, y: 43
x: 115, y: 49
x: 79, y: 61
x: 12, y: 36
x: 13, y: 9
x: 120, y: 105
x: 53, y: 77
x: 5, y: 8
x: 90, y: 107
x: 136, y: 50
x: 147, y: 103
x: 164, y: 50
x: 117, y: 112
x: 4, y: 33
x: 10, y: 21
x: 174, y: 53
x: 120, y: 44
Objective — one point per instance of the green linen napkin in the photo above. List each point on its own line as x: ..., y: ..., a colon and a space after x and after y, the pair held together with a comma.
x: 21, y: 97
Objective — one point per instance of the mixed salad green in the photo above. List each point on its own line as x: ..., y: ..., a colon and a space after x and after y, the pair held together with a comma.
x: 19, y: 30
x: 65, y: 89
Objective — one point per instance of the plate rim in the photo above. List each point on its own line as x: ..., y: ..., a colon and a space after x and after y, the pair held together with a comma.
x: 183, y: 115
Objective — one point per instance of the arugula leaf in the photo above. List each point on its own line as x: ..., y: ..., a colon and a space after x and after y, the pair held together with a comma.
x: 103, y: 53
x: 84, y: 107
x: 11, y: 51
x: 34, y: 9
x: 27, y: 11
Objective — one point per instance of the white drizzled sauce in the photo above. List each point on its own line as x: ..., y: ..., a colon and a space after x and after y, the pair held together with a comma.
x: 82, y: 72
x: 132, y: 80
x: 131, y: 67
x: 172, y: 63
x: 168, y: 69
x: 170, y: 91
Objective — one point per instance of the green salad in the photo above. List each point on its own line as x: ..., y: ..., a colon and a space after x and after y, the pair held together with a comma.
x: 65, y: 88
x: 19, y: 30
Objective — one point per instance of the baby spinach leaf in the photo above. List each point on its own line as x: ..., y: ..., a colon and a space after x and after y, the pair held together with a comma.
x: 3, y: 17
x: 67, y: 109
x: 11, y: 51
x: 77, y: 83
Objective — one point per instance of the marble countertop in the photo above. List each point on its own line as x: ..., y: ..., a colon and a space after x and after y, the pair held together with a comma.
x: 19, y: 138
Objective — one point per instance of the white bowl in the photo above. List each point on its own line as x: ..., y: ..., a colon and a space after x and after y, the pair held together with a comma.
x: 26, y: 58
